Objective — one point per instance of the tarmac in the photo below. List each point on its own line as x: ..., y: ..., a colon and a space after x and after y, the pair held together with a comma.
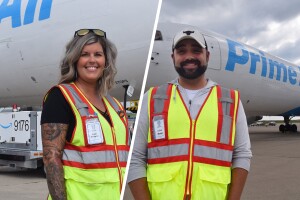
x: 275, y: 165
x: 274, y: 173
x: 22, y: 184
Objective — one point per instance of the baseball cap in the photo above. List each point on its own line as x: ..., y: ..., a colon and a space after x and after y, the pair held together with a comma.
x: 189, y: 33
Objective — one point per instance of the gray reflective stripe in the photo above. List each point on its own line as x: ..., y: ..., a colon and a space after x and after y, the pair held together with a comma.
x: 117, y: 109
x: 159, y: 98
x: 123, y: 155
x: 168, y: 151
x: 161, y: 95
x: 212, y: 153
x: 182, y: 149
x: 225, y: 131
x: 112, y: 103
x: 227, y: 119
x: 226, y: 100
x: 83, y: 107
x: 80, y: 105
x: 89, y: 157
x: 93, y: 157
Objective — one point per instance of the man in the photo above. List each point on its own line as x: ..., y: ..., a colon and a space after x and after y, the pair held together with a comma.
x: 202, y: 151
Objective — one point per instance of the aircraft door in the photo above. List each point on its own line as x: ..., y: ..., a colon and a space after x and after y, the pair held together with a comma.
x: 215, y: 53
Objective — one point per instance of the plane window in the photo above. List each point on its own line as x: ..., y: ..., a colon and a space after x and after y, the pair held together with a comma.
x: 158, y: 35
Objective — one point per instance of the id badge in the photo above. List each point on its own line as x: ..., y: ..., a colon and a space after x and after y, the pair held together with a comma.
x: 159, y: 127
x: 94, y: 131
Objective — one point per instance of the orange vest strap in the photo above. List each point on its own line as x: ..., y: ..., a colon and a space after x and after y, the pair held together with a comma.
x: 159, y: 104
x: 78, y: 100
x: 226, y: 102
x: 160, y: 100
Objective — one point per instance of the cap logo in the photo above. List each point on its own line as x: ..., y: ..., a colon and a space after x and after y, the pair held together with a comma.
x: 188, y: 32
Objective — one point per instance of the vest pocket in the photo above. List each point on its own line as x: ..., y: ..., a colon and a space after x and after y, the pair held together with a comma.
x: 166, y: 181
x: 92, y: 176
x: 104, y: 183
x: 210, y: 182
x: 100, y: 191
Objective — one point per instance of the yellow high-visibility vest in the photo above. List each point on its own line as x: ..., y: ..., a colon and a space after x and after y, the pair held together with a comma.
x: 190, y: 159
x: 94, y: 171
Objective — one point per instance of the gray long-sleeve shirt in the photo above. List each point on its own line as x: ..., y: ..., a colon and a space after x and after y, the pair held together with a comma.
x: 242, y: 148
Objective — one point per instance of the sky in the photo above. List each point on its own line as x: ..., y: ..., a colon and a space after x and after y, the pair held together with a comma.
x: 269, y: 25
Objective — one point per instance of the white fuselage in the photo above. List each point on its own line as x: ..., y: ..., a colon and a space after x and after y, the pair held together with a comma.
x: 33, y: 36
x: 268, y: 85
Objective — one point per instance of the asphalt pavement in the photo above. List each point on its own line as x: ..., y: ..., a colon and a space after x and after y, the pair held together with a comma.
x: 274, y: 173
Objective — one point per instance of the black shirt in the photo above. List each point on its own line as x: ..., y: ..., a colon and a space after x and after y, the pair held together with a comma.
x: 56, y: 109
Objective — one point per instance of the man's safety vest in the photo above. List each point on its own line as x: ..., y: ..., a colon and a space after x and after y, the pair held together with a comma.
x: 190, y: 159
x: 94, y: 171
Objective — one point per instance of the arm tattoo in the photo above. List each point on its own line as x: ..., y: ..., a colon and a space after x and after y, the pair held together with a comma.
x: 54, y: 138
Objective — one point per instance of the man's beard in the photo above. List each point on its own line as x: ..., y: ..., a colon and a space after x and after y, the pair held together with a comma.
x: 188, y: 74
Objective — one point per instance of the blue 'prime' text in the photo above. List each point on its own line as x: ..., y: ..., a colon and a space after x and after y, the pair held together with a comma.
x: 238, y: 54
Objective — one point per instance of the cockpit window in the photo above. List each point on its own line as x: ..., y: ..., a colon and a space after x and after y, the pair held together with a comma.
x: 158, y: 35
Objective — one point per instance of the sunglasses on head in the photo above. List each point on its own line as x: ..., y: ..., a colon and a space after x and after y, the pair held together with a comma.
x: 82, y: 32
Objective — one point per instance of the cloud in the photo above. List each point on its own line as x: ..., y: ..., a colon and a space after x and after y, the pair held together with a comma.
x: 270, y: 25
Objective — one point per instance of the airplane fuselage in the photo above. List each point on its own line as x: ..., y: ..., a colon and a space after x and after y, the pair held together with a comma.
x: 268, y: 85
x: 33, y: 35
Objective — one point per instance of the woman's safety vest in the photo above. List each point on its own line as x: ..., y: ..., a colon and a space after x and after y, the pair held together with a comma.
x: 190, y: 159
x: 94, y: 160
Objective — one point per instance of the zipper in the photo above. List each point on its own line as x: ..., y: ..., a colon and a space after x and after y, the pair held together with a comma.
x: 115, y: 146
x: 113, y: 134
x: 192, y: 137
x: 117, y: 157
x: 190, y: 164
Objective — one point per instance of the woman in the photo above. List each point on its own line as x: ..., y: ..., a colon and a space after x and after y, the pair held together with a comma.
x: 84, y: 130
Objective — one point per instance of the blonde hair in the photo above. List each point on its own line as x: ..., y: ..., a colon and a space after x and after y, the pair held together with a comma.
x: 73, y: 51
